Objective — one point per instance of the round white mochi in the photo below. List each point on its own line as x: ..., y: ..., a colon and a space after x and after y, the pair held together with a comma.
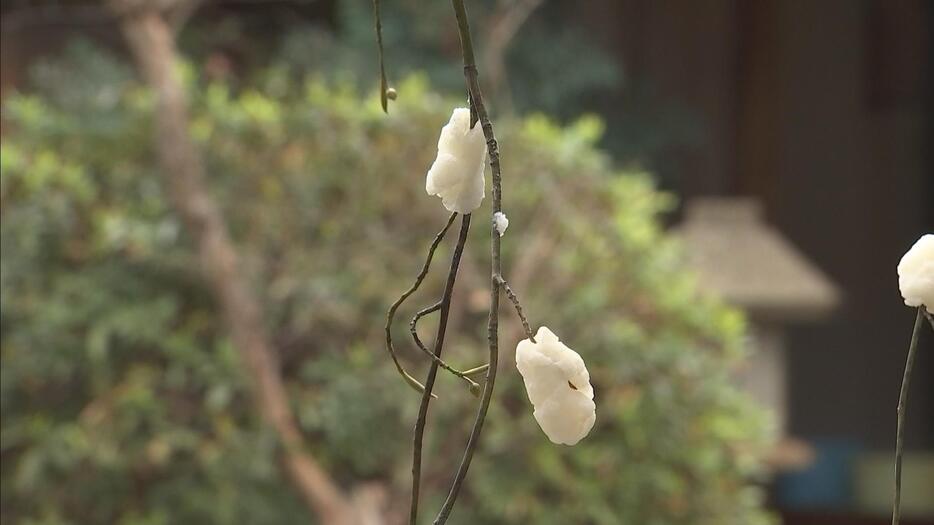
x: 558, y: 386
x: 916, y: 273
x: 457, y: 173
x: 501, y: 222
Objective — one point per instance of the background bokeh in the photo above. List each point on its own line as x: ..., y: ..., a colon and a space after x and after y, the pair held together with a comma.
x: 123, y: 400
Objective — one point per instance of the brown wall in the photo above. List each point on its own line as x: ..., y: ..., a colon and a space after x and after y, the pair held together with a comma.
x: 821, y: 110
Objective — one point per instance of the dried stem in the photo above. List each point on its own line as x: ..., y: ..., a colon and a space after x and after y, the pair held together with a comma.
x: 433, y: 370
x: 413, y: 328
x: 902, y: 404
x: 414, y: 383
x: 383, y: 83
x: 515, y: 302
x: 477, y: 107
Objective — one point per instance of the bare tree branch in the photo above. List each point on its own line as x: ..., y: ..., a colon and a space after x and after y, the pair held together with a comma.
x: 900, y: 411
x: 514, y: 299
x: 413, y: 329
x: 151, y: 41
x: 383, y: 83
x: 478, y: 109
x: 505, y: 24
x: 422, y: 419
x: 180, y: 13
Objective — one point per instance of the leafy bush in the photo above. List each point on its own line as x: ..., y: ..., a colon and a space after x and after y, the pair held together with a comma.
x: 123, y: 401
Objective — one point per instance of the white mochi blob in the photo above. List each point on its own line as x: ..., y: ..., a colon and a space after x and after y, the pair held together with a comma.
x: 457, y: 172
x: 558, y: 386
x: 916, y: 273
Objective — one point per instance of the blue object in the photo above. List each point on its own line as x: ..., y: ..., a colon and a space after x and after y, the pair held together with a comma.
x: 827, y: 484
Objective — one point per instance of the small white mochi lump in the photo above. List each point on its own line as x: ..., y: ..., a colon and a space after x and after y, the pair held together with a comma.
x: 457, y: 173
x: 558, y: 385
x: 501, y: 222
x: 916, y: 273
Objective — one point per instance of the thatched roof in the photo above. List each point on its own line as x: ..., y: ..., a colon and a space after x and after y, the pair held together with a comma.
x: 750, y: 264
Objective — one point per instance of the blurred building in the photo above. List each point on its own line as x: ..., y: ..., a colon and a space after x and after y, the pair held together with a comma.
x: 821, y: 111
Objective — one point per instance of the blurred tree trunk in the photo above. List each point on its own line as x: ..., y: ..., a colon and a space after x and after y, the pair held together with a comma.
x: 504, y: 24
x: 151, y: 40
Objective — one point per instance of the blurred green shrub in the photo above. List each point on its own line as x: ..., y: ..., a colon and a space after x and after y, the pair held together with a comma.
x: 123, y: 402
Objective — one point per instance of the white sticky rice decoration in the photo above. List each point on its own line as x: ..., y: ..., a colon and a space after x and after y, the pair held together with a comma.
x: 558, y: 386
x: 457, y: 172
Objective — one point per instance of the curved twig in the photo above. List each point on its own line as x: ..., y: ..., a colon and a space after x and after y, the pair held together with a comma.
x: 433, y: 370
x: 414, y: 383
x: 902, y: 404
x: 413, y: 328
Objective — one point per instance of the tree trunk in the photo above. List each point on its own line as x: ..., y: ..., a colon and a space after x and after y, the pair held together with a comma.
x: 151, y: 41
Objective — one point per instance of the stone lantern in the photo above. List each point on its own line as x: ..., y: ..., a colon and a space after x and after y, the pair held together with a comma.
x: 749, y: 264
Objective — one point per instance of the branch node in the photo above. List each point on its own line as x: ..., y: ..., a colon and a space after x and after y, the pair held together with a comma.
x: 413, y: 329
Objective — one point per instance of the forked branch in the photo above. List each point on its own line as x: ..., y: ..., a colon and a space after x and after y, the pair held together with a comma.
x: 514, y: 299
x: 422, y: 418
x: 414, y: 383
x: 413, y: 328
x: 479, y: 114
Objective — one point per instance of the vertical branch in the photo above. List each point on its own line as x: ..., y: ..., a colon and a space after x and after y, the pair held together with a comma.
x: 433, y: 370
x: 902, y: 404
x: 476, y: 101
x: 383, y: 83
x: 151, y: 41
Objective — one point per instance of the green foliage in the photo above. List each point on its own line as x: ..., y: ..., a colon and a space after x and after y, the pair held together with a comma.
x: 123, y: 401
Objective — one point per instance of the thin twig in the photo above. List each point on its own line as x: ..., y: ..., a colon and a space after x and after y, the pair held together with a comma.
x: 433, y: 370
x: 414, y: 383
x: 902, y: 404
x: 413, y: 328
x: 476, y: 102
x: 515, y: 302
x: 383, y: 84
